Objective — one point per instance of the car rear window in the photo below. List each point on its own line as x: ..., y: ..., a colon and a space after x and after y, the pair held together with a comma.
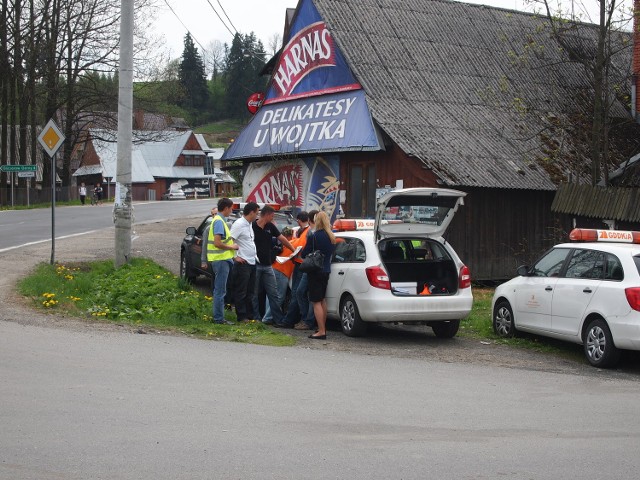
x: 636, y: 259
x: 412, y: 249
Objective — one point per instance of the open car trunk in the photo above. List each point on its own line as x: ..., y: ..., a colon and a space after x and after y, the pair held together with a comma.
x: 418, y: 266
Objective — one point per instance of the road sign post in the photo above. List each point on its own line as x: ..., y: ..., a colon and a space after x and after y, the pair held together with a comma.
x: 51, y: 138
x: 22, y: 171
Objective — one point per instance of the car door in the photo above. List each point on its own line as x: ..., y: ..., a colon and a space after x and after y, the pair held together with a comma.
x: 195, y: 249
x: 349, y: 255
x: 575, y: 289
x: 416, y: 212
x: 534, y: 293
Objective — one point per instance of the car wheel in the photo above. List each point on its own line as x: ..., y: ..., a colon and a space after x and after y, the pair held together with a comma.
x: 352, y: 324
x: 598, y: 345
x: 186, y: 271
x: 503, y: 323
x: 446, y: 329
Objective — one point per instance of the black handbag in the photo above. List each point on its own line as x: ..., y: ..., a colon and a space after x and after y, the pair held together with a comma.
x: 313, y: 262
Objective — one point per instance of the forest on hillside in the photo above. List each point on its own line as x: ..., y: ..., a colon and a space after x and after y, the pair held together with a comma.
x: 59, y: 60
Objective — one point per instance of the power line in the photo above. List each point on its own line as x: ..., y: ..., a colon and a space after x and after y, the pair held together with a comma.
x: 185, y: 27
x: 223, y: 22
x: 225, y: 14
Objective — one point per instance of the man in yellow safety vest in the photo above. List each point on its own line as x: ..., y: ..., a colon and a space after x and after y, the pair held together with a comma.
x: 218, y: 250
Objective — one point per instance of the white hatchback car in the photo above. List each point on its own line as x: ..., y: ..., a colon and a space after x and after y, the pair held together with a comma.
x: 587, y: 293
x: 399, y: 268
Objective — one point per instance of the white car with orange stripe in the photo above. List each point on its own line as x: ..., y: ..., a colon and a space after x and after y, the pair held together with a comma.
x: 586, y: 292
x: 397, y: 268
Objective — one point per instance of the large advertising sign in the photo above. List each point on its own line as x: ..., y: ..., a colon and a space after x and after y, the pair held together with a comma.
x: 332, y: 122
x: 307, y: 184
x: 310, y: 63
x: 313, y: 103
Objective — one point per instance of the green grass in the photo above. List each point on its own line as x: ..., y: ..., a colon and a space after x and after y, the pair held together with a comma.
x: 141, y: 293
x: 222, y: 126
x: 479, y: 326
x: 145, y: 294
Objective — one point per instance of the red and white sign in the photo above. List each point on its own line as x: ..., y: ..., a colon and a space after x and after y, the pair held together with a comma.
x: 311, y: 48
x: 254, y: 102
x: 615, y: 236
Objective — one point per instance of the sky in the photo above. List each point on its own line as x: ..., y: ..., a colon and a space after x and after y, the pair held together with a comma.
x: 263, y: 17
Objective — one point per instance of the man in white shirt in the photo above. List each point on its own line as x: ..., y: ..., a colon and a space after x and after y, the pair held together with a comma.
x: 244, y: 265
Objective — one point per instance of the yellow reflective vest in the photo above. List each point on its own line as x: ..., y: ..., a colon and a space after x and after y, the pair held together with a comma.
x: 213, y: 254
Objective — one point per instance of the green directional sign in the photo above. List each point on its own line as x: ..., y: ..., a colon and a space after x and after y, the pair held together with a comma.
x: 18, y: 168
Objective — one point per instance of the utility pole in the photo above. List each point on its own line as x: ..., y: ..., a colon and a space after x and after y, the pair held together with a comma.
x: 122, y: 209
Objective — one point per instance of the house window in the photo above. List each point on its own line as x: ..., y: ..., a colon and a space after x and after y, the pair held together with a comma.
x: 193, y: 161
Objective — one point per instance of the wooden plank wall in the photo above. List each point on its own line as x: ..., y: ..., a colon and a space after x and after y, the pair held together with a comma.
x: 498, y: 230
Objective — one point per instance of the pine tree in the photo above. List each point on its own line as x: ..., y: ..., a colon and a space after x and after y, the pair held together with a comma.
x: 192, y: 77
x: 244, y: 61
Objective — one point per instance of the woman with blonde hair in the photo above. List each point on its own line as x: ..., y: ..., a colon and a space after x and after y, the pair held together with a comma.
x: 324, y: 240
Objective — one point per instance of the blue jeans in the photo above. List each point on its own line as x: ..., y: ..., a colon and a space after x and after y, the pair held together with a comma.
x: 266, y: 278
x: 220, y: 269
x: 282, y: 282
x: 300, y: 309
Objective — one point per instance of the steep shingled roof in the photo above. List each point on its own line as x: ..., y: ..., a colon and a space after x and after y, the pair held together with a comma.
x: 476, y: 93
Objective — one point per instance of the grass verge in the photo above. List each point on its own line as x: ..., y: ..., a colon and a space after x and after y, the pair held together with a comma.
x: 141, y: 293
x: 478, y: 325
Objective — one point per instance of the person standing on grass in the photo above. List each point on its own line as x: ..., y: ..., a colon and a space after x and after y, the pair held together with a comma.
x: 82, y: 191
x: 218, y: 251
x: 265, y: 232
x: 299, y: 301
x: 244, y: 267
x: 324, y: 240
x: 283, y: 272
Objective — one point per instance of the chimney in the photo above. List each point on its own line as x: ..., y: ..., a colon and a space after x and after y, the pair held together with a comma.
x: 635, y: 68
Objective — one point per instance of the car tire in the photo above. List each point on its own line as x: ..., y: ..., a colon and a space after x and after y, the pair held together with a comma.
x: 186, y: 271
x: 503, y: 321
x: 352, y: 324
x: 447, y: 329
x: 598, y: 345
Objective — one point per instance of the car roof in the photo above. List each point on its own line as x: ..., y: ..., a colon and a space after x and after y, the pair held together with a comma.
x: 611, y: 247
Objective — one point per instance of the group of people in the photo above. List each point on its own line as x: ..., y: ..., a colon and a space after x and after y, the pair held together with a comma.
x: 247, y: 250
x: 97, y: 194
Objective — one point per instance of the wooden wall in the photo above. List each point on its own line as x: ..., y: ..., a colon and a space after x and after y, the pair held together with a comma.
x: 497, y: 230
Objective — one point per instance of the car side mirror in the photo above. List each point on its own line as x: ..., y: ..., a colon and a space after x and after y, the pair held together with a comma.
x: 523, y: 270
x: 191, y: 231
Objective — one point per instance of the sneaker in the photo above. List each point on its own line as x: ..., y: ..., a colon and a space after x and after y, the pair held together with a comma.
x: 226, y: 322
x: 301, y: 326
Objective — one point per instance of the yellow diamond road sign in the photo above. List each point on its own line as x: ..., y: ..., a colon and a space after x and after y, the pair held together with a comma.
x: 51, y: 138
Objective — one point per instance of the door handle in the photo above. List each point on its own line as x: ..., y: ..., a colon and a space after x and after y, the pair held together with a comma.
x: 587, y: 290
x: 548, y: 289
x: 340, y: 272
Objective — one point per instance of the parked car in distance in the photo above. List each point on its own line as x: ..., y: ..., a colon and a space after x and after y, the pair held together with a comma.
x: 399, y: 269
x: 586, y: 292
x: 174, y: 194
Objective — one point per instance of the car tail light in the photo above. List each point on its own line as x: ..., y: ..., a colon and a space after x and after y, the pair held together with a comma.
x: 464, y: 279
x: 633, y: 297
x: 378, y: 277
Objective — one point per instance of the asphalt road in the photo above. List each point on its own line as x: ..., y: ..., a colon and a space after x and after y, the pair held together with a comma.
x: 85, y: 400
x: 20, y: 227
x: 112, y: 405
